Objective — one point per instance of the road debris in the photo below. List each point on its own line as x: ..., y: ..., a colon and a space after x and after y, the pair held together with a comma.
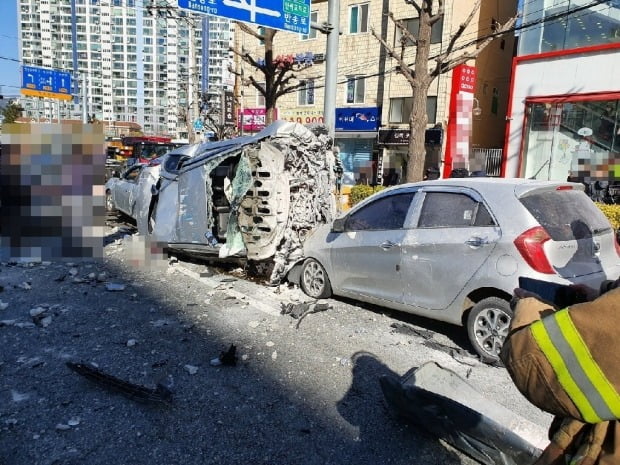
x: 3, y: 305
x: 160, y: 394
x: 191, y: 369
x: 25, y: 286
x: 115, y: 287
x: 441, y: 402
x: 228, y: 358
x: 300, y: 310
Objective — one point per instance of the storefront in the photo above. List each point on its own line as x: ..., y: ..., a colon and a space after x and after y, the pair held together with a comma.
x: 564, y: 110
x: 356, y: 139
x: 394, y: 144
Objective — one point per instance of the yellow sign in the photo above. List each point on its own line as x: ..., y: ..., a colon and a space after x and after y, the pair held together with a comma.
x: 45, y: 94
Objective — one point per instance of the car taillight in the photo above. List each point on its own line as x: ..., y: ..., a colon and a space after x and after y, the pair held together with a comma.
x: 617, y: 244
x: 564, y: 188
x: 530, y: 245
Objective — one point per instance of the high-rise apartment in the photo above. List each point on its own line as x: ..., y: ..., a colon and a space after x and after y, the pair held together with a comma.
x: 133, y: 57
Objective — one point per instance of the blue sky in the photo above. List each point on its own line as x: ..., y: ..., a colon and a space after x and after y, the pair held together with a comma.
x: 10, y: 79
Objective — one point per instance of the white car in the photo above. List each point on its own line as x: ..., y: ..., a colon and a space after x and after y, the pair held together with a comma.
x: 129, y: 192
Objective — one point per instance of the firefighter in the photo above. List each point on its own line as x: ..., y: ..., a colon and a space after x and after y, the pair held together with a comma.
x: 567, y: 362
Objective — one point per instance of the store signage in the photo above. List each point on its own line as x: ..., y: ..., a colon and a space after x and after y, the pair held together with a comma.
x: 432, y: 136
x: 357, y: 119
x: 229, y: 108
x: 466, y: 78
x: 304, y: 58
x: 302, y: 115
x: 253, y: 119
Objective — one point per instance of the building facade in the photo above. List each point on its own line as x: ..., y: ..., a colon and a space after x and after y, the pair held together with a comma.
x: 132, y: 57
x: 373, y: 101
x: 564, y: 107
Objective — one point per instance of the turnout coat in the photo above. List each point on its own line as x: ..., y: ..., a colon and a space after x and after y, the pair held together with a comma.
x: 567, y: 362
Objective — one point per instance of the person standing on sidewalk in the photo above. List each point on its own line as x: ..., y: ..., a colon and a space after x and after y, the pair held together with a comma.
x: 567, y: 362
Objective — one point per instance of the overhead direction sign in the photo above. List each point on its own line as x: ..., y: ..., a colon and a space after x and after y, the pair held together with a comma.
x: 286, y: 15
x: 48, y: 83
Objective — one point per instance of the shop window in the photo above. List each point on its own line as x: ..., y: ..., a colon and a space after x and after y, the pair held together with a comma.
x: 314, y: 18
x: 401, y: 107
x: 358, y: 18
x: 260, y: 98
x: 356, y: 87
x: 413, y: 26
x: 305, y: 94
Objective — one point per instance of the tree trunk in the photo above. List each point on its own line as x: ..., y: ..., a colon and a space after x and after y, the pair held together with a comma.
x: 419, y: 118
x: 270, y: 91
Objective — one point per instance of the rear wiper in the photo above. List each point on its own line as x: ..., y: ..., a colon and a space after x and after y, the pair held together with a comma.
x: 600, y: 230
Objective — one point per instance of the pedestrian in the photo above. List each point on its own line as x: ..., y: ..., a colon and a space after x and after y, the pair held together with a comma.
x: 567, y: 362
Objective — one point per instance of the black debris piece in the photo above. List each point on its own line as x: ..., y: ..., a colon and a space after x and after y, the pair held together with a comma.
x: 409, y: 330
x: 60, y: 278
x: 160, y: 394
x: 301, y: 310
x: 230, y: 356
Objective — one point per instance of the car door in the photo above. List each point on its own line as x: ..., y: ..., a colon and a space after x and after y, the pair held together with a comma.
x: 453, y: 237
x: 366, y: 257
x: 124, y: 189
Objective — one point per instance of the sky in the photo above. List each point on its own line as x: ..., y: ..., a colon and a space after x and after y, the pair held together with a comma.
x: 10, y: 78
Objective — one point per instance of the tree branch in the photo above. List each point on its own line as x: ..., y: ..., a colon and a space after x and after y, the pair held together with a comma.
x: 248, y: 30
x: 404, y: 68
x: 445, y: 66
x: 416, y: 5
x: 440, y: 13
x: 405, y: 34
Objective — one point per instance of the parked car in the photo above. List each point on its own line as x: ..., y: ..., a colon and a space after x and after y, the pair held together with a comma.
x: 453, y: 250
x: 254, y: 198
x: 132, y: 189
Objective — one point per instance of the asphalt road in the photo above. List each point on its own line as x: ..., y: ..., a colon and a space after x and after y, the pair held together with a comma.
x: 296, y: 396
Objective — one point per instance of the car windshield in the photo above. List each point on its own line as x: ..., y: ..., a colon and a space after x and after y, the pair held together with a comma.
x: 566, y: 214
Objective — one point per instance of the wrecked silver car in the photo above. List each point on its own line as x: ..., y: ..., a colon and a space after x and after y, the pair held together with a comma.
x: 254, y: 197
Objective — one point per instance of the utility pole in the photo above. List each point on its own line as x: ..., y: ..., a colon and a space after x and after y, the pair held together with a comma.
x: 84, y: 99
x: 331, y: 66
x: 192, y: 102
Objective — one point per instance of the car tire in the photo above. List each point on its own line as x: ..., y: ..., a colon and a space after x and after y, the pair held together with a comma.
x: 488, y: 323
x: 109, y: 204
x: 314, y: 280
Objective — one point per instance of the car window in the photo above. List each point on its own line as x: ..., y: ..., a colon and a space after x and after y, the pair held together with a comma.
x: 566, y: 214
x: 173, y: 162
x: 453, y: 210
x: 133, y: 173
x: 385, y: 213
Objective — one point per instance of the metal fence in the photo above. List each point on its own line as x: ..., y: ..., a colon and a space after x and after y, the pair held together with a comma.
x: 491, y: 159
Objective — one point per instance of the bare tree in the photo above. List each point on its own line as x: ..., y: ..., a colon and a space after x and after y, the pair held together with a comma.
x: 212, y: 116
x: 425, y: 69
x: 278, y: 72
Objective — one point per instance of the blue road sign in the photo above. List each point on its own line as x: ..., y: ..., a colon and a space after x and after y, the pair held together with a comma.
x: 42, y: 82
x: 286, y: 15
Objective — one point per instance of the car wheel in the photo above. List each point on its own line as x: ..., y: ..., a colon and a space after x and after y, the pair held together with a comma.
x: 314, y: 280
x: 109, y: 205
x: 487, y: 326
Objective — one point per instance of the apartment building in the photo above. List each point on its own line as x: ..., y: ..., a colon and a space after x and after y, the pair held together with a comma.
x: 133, y: 57
x: 373, y: 101
x: 565, y: 94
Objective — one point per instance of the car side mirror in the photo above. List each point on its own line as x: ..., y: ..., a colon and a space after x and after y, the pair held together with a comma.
x: 338, y: 225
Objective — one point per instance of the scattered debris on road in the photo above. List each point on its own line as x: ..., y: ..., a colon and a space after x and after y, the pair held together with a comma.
x: 160, y: 394
x: 228, y: 358
x: 115, y: 287
x: 300, y: 310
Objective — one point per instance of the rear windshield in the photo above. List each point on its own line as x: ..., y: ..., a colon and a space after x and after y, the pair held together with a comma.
x: 566, y: 214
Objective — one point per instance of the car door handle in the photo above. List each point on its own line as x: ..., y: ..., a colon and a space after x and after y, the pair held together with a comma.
x: 477, y: 241
x: 388, y: 245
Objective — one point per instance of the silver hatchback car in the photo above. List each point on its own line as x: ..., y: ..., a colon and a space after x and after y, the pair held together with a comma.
x: 453, y: 250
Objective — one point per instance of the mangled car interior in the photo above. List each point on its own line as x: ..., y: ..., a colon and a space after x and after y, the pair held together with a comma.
x: 255, y: 197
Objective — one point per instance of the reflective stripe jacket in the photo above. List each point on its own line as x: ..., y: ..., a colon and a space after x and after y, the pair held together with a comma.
x: 567, y: 362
